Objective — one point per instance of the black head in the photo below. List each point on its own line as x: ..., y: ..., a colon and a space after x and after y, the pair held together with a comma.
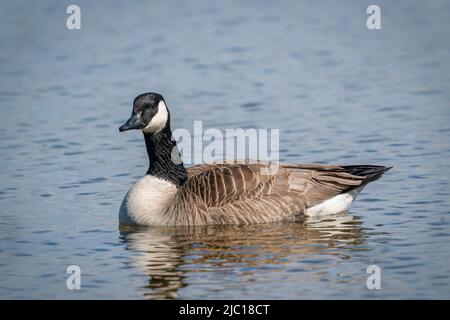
x: 150, y: 114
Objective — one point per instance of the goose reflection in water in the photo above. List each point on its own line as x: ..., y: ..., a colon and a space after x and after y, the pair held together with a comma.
x: 170, y: 256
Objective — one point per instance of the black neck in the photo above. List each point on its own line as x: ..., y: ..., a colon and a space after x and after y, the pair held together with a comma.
x: 164, y: 157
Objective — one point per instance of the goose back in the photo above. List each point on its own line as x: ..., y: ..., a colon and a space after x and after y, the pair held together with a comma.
x: 258, y: 192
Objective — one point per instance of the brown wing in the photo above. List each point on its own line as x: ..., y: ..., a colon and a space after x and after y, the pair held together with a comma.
x: 256, y: 192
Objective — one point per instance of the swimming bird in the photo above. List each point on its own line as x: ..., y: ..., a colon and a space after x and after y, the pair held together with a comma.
x: 236, y: 192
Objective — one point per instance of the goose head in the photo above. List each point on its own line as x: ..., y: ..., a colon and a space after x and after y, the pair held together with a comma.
x: 149, y: 114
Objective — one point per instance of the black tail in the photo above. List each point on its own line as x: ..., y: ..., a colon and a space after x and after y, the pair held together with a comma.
x: 371, y: 173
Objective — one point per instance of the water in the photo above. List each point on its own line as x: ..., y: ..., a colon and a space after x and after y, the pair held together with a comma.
x: 338, y: 92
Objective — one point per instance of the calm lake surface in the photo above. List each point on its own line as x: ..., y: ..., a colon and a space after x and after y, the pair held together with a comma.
x: 338, y: 92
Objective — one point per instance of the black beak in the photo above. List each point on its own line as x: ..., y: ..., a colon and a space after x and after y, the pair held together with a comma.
x: 134, y: 122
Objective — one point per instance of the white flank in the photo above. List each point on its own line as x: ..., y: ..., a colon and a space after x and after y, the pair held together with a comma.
x: 335, y: 205
x: 158, y: 122
x: 146, y: 202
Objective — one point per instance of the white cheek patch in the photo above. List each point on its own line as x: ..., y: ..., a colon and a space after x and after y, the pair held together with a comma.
x: 159, y: 121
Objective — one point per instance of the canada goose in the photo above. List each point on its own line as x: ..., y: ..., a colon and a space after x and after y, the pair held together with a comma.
x: 229, y: 193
